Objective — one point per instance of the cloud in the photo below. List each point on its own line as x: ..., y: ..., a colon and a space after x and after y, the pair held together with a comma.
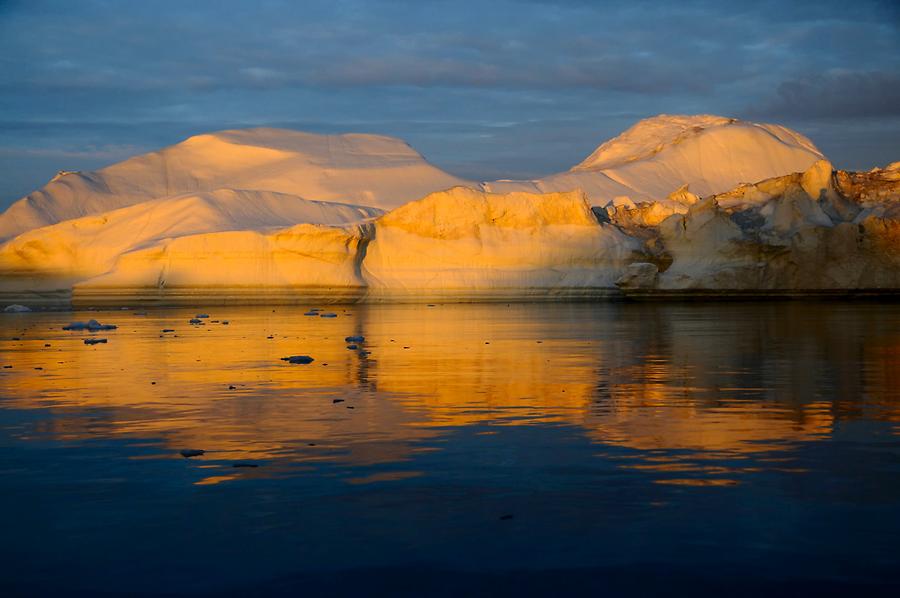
x: 559, y: 75
x: 838, y: 94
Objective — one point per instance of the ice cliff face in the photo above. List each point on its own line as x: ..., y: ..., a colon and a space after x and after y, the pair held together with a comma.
x: 815, y: 231
x: 468, y: 243
x: 459, y: 243
x: 60, y: 255
x: 306, y: 262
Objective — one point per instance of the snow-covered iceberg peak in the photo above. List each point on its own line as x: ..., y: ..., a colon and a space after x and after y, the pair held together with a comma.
x: 648, y: 137
x: 653, y: 135
x: 357, y: 169
x: 659, y: 155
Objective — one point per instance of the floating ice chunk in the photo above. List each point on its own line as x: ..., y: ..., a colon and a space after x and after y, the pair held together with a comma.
x: 188, y: 453
x: 95, y: 341
x: 354, y: 339
x: 202, y: 316
x: 300, y: 359
x: 196, y: 321
x: 328, y: 315
x: 311, y: 313
x: 92, y: 325
x: 353, y: 347
x: 16, y: 309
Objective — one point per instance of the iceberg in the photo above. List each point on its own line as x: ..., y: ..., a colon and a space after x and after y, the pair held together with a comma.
x: 304, y: 263
x: 674, y: 205
x: 819, y: 231
x: 370, y: 170
x: 15, y: 308
x: 466, y: 244
x: 656, y: 156
x: 123, y: 243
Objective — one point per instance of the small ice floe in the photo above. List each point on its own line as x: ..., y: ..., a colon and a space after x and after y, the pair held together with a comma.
x: 311, y: 313
x: 202, y: 316
x: 301, y: 359
x: 244, y: 464
x: 16, y: 309
x: 336, y: 401
x: 224, y: 322
x: 188, y: 453
x: 354, y: 339
x: 168, y: 330
x: 197, y: 321
x: 328, y: 315
x: 92, y: 325
x: 95, y: 341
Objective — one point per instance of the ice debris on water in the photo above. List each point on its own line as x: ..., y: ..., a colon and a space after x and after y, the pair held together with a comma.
x: 328, y: 315
x: 196, y: 321
x: 16, y: 309
x: 188, y: 453
x: 95, y: 341
x: 301, y: 359
x: 91, y: 325
x: 202, y: 316
x: 354, y: 339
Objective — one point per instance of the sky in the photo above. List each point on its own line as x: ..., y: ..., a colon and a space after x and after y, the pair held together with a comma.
x: 484, y: 89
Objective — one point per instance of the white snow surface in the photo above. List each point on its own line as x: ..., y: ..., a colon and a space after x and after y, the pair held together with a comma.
x: 370, y: 170
x: 711, y: 154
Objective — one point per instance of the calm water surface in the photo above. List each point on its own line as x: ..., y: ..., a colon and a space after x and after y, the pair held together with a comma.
x: 460, y: 450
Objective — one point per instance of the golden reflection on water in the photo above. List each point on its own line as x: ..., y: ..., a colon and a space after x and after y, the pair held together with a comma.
x: 693, y: 383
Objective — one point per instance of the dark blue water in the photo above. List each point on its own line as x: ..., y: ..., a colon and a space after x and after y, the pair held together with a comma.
x: 612, y: 449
